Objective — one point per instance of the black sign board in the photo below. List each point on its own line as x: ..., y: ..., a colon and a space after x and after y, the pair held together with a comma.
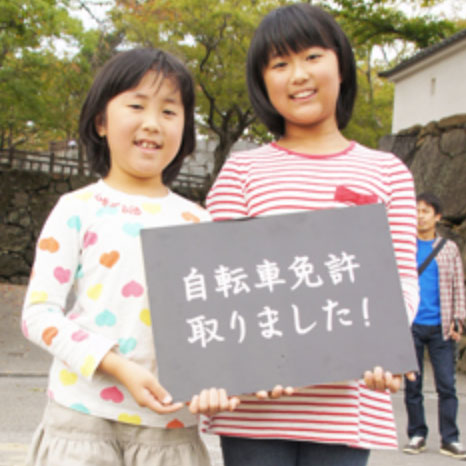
x: 293, y: 299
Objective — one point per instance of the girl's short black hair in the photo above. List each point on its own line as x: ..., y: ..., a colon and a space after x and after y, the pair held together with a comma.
x: 122, y: 72
x: 293, y: 28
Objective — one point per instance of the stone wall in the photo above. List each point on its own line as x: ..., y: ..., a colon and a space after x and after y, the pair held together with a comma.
x: 25, y: 201
x: 436, y: 155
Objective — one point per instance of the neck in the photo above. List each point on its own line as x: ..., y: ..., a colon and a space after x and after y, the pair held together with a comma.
x: 426, y: 235
x: 318, y: 141
x: 137, y: 187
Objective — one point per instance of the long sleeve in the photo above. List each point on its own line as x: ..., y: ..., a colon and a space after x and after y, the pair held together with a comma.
x: 56, y: 265
x: 401, y: 212
x: 459, y: 310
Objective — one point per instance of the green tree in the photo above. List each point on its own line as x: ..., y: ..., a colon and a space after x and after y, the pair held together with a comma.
x: 26, y: 27
x: 382, y: 35
x: 42, y: 87
x: 213, y: 38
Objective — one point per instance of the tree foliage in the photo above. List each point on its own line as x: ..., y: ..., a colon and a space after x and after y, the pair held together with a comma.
x: 383, y: 35
x: 47, y: 62
x: 41, y: 89
x: 212, y: 37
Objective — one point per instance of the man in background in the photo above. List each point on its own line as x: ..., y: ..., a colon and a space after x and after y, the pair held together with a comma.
x: 438, y: 325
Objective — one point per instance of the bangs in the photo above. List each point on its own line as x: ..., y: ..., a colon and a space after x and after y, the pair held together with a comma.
x: 129, y: 75
x: 291, y: 29
x: 287, y: 31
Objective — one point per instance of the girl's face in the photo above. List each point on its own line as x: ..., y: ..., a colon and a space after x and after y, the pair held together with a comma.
x: 304, y: 87
x: 144, y: 129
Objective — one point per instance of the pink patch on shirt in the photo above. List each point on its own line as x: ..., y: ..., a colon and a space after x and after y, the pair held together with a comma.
x: 79, y: 335
x: 132, y: 289
x: 90, y: 238
x: 344, y: 194
x: 62, y: 275
x: 112, y: 394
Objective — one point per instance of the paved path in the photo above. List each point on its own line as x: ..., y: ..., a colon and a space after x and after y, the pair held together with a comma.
x: 23, y: 379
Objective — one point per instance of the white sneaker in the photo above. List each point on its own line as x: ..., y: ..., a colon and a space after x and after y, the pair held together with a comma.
x: 453, y: 449
x: 416, y: 444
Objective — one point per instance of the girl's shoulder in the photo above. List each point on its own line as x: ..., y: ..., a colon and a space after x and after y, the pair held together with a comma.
x: 256, y: 153
x: 82, y: 195
x: 377, y: 156
x: 191, y: 211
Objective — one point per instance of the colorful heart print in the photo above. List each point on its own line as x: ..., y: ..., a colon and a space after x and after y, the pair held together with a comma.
x: 88, y: 367
x: 24, y: 328
x: 90, y: 238
x: 151, y: 208
x: 95, y: 291
x: 190, y: 217
x: 79, y: 271
x: 132, y: 288
x: 49, y: 244
x: 62, y: 275
x: 144, y: 317
x: 80, y: 407
x: 109, y: 259
x: 126, y: 345
x: 38, y: 297
x: 112, y: 394
x: 132, y: 229
x: 107, y: 211
x: 84, y: 196
x: 175, y: 424
x: 79, y: 335
x: 129, y: 418
x: 49, y: 334
x: 67, y: 378
x: 105, y: 319
x: 74, y: 223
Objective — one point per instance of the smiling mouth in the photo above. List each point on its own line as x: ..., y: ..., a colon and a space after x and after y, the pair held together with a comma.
x: 303, y: 94
x: 148, y: 145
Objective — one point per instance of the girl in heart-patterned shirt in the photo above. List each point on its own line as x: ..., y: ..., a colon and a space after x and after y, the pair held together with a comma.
x: 106, y: 405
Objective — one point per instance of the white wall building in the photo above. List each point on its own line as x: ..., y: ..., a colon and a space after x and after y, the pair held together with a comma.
x: 430, y: 85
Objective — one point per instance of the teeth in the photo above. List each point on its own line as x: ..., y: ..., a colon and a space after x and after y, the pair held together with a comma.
x: 148, y: 145
x: 303, y: 94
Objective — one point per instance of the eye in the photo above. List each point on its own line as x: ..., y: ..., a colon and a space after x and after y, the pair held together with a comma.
x: 277, y: 63
x: 136, y: 106
x: 169, y: 112
x: 313, y: 56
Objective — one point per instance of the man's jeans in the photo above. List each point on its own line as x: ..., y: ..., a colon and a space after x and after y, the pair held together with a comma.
x: 239, y: 451
x: 442, y: 356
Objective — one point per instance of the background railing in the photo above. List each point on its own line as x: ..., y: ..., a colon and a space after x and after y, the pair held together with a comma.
x: 46, y: 162
x: 191, y: 185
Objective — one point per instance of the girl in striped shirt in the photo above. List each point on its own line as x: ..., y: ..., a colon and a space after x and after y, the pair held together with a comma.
x: 301, y: 78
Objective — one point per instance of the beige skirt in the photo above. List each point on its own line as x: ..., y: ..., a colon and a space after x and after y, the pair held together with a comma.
x: 67, y: 437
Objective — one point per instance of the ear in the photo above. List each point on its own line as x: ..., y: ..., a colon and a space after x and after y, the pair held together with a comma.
x: 100, y: 126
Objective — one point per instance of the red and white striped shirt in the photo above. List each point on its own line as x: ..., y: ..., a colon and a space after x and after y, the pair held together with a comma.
x: 272, y: 180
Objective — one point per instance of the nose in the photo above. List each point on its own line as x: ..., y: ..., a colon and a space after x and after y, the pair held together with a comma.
x: 299, y: 72
x: 151, y: 122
